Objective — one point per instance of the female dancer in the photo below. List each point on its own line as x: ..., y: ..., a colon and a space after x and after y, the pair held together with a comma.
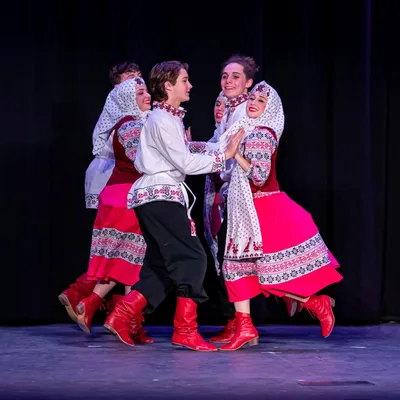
x: 118, y: 247
x: 272, y: 244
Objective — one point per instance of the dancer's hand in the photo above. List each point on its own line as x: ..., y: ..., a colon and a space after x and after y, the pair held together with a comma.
x: 233, y: 145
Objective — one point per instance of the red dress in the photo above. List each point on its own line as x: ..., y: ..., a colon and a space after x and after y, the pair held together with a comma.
x: 295, y: 258
x: 118, y: 247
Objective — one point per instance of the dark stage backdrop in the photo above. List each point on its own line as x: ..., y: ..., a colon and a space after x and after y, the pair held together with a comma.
x: 332, y: 63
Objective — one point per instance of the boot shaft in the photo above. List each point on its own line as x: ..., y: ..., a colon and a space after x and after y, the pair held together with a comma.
x: 82, y: 286
x: 185, y: 314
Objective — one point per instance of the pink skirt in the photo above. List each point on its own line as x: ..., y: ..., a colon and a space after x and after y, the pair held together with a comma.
x: 295, y: 260
x: 118, y: 247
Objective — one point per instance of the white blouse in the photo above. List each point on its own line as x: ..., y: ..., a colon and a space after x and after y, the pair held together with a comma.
x: 98, y: 173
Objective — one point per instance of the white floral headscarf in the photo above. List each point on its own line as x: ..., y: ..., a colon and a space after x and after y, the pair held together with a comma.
x: 272, y: 117
x: 120, y: 102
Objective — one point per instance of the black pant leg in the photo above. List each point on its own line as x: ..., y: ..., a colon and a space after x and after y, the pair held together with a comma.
x: 154, y: 283
x: 184, y: 260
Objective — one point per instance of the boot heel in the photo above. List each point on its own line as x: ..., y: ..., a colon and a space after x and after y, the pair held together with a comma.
x: 110, y: 329
x: 333, y: 302
x: 253, y: 342
x: 115, y: 333
x: 63, y: 300
x: 68, y: 306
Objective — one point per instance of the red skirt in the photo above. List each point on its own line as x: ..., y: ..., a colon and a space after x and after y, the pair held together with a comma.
x: 118, y: 247
x: 295, y: 260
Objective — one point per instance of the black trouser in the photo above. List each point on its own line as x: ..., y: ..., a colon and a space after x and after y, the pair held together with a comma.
x: 224, y: 305
x: 174, y: 260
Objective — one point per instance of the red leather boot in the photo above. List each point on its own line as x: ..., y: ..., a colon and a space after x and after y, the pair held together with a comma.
x: 138, y: 333
x: 226, y: 335
x: 112, y: 302
x: 86, y: 309
x: 77, y: 291
x: 122, y: 322
x: 245, y: 333
x: 321, y: 308
x: 185, y: 327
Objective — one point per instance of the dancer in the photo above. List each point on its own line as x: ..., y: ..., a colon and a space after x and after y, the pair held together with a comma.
x: 237, y: 77
x: 273, y: 245
x: 118, y: 246
x: 97, y: 175
x: 175, y: 258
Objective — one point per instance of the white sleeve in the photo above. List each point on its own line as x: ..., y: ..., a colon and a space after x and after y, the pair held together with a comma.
x: 172, y: 147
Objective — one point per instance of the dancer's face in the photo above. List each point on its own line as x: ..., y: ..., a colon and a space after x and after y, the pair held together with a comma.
x: 219, y: 109
x: 256, y: 105
x: 234, y: 81
x: 143, y: 98
x: 180, y: 92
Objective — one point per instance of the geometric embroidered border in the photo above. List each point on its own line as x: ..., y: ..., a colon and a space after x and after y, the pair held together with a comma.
x: 111, y: 243
x: 282, y: 266
x: 158, y: 192
x: 92, y: 200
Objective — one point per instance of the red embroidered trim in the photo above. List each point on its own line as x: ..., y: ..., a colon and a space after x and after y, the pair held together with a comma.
x: 176, y: 112
x: 237, y: 100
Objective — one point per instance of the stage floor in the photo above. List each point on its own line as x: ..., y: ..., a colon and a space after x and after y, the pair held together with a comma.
x: 61, y: 362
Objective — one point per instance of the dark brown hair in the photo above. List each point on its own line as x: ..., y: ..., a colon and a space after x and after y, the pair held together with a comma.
x: 250, y: 68
x: 166, y: 71
x: 117, y: 70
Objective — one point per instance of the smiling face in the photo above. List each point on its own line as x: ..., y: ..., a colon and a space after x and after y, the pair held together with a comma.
x: 143, y: 98
x: 234, y: 81
x: 219, y: 109
x: 256, y: 105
